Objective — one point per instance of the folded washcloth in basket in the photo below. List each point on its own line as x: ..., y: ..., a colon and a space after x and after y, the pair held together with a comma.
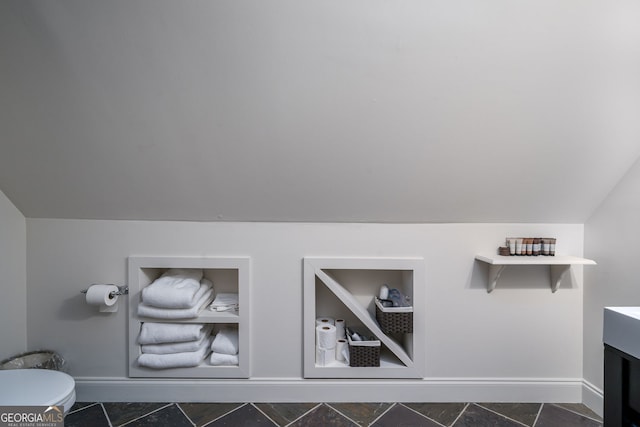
x: 175, y: 360
x: 176, y: 288
x: 179, y: 347
x: 176, y: 313
x: 159, y: 333
x: 226, y: 341
x: 219, y: 359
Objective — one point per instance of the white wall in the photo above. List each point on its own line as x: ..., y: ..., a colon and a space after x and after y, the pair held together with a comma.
x: 278, y: 101
x: 521, y: 332
x: 13, y: 282
x: 611, y: 238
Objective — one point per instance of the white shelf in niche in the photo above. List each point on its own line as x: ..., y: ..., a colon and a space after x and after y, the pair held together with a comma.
x: 559, y: 265
x: 228, y: 274
x: 346, y: 288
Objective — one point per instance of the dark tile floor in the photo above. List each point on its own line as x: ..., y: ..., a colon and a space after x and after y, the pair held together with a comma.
x: 331, y: 414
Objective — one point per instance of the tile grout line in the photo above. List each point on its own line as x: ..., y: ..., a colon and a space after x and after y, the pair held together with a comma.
x: 460, y: 414
x: 263, y: 413
x: 503, y: 415
x: 242, y: 405
x: 578, y: 413
x: 334, y: 409
x: 142, y: 416
x: 538, y: 415
x: 184, y: 413
x: 83, y: 408
x: 423, y: 415
x: 104, y: 411
x: 305, y: 414
x: 393, y: 405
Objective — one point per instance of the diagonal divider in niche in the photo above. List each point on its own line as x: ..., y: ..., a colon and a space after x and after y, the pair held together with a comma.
x: 363, y: 315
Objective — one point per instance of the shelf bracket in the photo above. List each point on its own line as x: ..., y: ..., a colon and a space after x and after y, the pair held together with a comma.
x: 557, y: 273
x: 494, y: 274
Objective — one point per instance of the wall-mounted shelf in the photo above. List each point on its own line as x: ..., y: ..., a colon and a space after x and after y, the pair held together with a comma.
x: 559, y: 265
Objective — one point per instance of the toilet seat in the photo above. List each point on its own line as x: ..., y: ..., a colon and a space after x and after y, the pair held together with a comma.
x: 37, y: 387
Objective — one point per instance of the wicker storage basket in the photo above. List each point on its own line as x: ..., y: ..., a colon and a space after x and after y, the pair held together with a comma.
x: 394, y: 320
x: 364, y: 353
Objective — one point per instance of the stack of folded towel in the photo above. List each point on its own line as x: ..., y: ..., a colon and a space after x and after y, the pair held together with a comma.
x: 173, y: 345
x: 225, y: 347
x: 177, y: 294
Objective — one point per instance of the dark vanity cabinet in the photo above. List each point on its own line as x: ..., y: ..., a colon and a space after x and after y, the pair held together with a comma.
x: 621, y: 388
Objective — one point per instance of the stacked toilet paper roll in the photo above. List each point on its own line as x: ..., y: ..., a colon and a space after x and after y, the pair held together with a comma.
x: 341, y: 341
x: 325, y: 343
x: 340, y: 329
x: 342, y: 350
x: 325, y: 321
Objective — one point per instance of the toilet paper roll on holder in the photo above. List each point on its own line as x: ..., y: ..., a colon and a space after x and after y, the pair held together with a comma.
x: 122, y: 290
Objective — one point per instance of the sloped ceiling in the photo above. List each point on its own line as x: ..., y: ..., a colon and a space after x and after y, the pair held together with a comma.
x: 364, y: 110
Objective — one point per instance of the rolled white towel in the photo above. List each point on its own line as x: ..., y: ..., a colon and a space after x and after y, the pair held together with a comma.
x: 178, y: 347
x: 176, y: 288
x: 176, y: 313
x: 159, y: 333
x: 219, y: 359
x: 175, y: 360
x: 226, y: 341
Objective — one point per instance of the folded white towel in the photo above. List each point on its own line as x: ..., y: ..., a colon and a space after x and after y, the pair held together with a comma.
x: 226, y: 341
x: 175, y: 360
x: 159, y: 333
x: 205, y: 285
x: 178, y: 347
x: 176, y: 313
x: 176, y: 288
x: 218, y: 359
x: 225, y: 302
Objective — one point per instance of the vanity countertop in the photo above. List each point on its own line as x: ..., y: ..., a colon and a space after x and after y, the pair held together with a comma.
x: 621, y: 329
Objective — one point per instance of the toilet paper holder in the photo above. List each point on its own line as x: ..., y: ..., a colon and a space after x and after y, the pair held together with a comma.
x: 122, y: 290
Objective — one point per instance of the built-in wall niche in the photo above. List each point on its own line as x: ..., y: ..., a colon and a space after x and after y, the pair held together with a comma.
x: 229, y: 275
x: 346, y: 288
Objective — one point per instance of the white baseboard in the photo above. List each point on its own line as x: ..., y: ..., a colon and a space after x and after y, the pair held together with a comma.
x: 331, y: 390
x: 593, y: 397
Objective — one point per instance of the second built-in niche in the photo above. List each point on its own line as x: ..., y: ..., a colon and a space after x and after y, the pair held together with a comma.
x: 345, y: 288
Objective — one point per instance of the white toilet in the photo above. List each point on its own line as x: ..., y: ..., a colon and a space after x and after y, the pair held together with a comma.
x: 37, y: 387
